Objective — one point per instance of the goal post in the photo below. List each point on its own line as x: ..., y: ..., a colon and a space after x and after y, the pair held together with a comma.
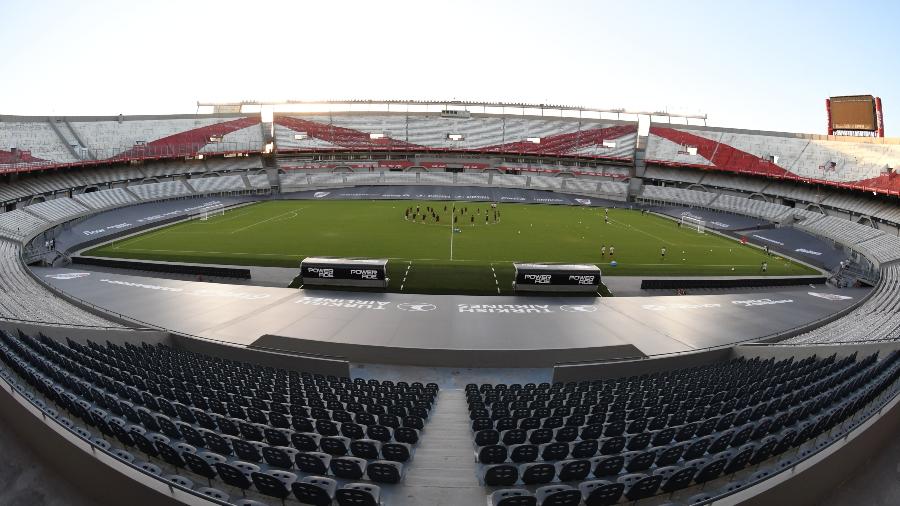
x: 211, y: 212
x: 694, y: 223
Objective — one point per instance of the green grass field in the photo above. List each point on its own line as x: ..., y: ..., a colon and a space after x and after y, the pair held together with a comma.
x: 429, y: 258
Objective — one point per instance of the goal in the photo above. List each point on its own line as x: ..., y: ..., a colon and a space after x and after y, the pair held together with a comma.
x: 694, y: 223
x: 211, y: 212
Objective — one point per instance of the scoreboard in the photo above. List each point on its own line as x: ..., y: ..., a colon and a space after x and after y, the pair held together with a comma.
x: 344, y: 272
x: 557, y: 278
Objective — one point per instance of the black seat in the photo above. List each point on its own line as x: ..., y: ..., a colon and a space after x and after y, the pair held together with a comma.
x: 170, y: 455
x: 199, y: 466
x: 710, y: 471
x: 585, y: 449
x: 350, y: 468
x: 574, y: 470
x: 246, y: 451
x: 308, y: 493
x: 606, y: 494
x: 493, y: 454
x: 312, y: 462
x: 276, y: 457
x: 643, y: 488
x: 270, y: 485
x: 335, y: 445
x: 487, y: 437
x: 679, y: 480
x: 534, y: 474
x: 305, y: 442
x: 501, y: 475
x: 397, y: 452
x: 232, y: 476
x: 384, y: 472
x: 610, y: 466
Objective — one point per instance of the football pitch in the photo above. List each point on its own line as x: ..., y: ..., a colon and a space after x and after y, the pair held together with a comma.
x: 435, y: 256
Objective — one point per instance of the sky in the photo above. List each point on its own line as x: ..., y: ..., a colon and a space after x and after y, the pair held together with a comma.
x: 756, y: 64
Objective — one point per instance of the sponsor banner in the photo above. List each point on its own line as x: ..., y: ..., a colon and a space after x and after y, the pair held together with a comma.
x: 336, y: 271
x: 760, y: 302
x: 416, y: 307
x: 715, y: 305
x: 766, y: 239
x: 202, y: 292
x: 830, y: 296
x: 504, y: 308
x: 376, y: 305
x: 63, y: 276
x: 149, y: 219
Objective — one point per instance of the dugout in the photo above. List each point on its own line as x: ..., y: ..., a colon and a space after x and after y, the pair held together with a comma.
x: 366, y: 272
x: 583, y: 278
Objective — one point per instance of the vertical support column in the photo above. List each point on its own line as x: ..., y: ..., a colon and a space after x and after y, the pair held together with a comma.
x: 880, y: 116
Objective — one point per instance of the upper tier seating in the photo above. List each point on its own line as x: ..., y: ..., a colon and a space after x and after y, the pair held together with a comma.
x: 220, y: 419
x: 160, y: 191
x: 106, y: 199
x: 701, y: 423
x: 37, y: 137
x: 588, y: 138
x: 859, y: 162
x: 57, y: 210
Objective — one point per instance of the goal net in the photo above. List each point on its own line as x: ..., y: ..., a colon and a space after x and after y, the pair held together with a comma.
x: 211, y: 212
x: 694, y: 223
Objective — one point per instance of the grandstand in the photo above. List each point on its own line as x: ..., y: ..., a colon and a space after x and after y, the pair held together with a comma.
x: 234, y: 417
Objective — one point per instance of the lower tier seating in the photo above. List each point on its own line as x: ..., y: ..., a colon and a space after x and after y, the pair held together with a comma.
x: 237, y: 427
x: 627, y: 439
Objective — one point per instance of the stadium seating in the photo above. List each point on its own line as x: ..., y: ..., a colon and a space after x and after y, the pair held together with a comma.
x: 23, y: 298
x: 205, y: 185
x: 160, y: 191
x: 249, y: 428
x: 57, y: 210
x: 750, y: 207
x: 842, y: 231
x: 656, y: 434
x: 258, y: 181
x: 588, y: 138
x: 677, y: 195
x: 18, y: 224
x: 877, y: 319
x: 106, y: 199
x: 850, y: 162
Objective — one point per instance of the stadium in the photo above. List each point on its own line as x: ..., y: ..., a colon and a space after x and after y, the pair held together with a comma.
x: 167, y: 331
x: 405, y: 253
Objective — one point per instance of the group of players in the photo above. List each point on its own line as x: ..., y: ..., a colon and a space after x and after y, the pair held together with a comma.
x: 432, y: 215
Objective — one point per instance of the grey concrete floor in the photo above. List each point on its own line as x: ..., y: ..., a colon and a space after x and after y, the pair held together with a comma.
x: 874, y: 483
x: 27, y: 481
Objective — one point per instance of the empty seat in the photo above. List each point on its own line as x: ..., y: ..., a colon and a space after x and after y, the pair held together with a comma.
x: 512, y: 497
x: 358, y: 494
x: 315, y: 490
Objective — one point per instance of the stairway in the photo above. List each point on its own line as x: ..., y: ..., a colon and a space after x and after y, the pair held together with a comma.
x: 70, y: 138
x: 442, y: 472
